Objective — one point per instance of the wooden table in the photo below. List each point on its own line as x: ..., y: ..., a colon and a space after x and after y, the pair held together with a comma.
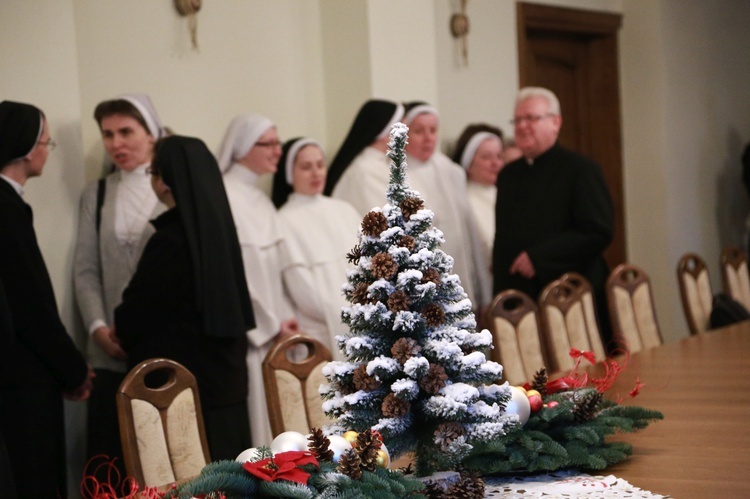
x: 702, y: 385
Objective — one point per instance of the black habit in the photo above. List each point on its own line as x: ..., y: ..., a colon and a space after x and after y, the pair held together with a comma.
x: 559, y: 211
x: 41, y: 361
x: 188, y: 300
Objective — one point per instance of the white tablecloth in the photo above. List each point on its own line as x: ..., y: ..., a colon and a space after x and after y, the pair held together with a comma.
x: 563, y: 484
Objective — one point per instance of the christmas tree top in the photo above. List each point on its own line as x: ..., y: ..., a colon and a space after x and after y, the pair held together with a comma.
x: 416, y: 369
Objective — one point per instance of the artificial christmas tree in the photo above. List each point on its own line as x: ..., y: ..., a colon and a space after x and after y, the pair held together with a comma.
x: 416, y: 369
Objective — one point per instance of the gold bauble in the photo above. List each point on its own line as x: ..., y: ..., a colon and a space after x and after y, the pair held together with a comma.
x: 383, y: 460
x: 351, y: 437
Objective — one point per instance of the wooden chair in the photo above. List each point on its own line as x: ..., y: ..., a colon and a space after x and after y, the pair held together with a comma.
x: 563, y: 324
x: 294, y: 403
x: 695, y: 291
x: 631, y: 307
x: 735, y: 280
x: 515, y: 332
x: 161, y: 427
x: 583, y: 286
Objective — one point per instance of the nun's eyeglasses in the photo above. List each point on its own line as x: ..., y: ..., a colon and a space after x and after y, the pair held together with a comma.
x: 51, y: 144
x: 152, y: 171
x: 269, y: 143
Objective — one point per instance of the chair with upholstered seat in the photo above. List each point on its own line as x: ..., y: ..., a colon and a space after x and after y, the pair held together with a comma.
x: 515, y: 334
x: 695, y: 291
x: 294, y: 403
x: 631, y: 307
x: 161, y: 423
x: 563, y: 324
x: 583, y: 286
x: 735, y: 279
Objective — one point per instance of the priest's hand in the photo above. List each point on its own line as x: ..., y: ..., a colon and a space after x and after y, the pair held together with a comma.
x: 106, y: 339
x: 522, y: 265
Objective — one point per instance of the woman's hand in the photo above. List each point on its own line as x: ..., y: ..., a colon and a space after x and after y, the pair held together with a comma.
x: 106, y: 339
x: 288, y: 328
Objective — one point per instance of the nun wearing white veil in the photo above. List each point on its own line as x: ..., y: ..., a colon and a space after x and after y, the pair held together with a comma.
x: 442, y: 184
x: 251, y: 148
x: 322, y: 230
x: 113, y: 230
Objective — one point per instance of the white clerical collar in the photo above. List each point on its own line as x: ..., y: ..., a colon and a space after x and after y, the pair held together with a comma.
x: 137, y: 174
x: 18, y: 187
x: 301, y: 198
x: 243, y: 173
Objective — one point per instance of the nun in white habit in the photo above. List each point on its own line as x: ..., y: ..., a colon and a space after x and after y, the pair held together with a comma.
x: 360, y: 171
x: 479, y: 151
x: 321, y: 230
x: 442, y: 184
x: 251, y: 148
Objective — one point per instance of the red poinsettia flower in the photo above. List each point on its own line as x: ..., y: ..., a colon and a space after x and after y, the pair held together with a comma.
x: 282, y: 466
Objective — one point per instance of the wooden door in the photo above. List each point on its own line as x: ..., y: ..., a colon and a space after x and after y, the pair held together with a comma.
x: 574, y: 53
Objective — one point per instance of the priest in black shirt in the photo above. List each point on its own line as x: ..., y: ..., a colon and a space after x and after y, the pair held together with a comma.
x: 554, y: 213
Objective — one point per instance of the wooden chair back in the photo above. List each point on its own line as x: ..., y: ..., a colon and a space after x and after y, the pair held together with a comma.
x: 294, y: 403
x: 563, y: 324
x: 631, y: 307
x: 161, y: 427
x: 583, y: 286
x: 734, y: 275
x: 514, y: 325
x: 695, y: 292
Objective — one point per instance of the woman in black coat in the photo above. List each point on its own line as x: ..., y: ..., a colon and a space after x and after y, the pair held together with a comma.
x: 188, y: 300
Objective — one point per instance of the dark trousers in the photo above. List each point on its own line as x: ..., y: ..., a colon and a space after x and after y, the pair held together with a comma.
x: 33, y: 425
x: 103, y: 426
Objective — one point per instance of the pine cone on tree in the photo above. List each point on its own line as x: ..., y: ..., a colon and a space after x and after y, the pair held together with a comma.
x: 540, y: 382
x: 383, y: 266
x: 447, y: 433
x: 406, y: 241
x: 319, y: 445
x: 431, y: 275
x: 363, y: 381
x: 585, y: 409
x: 434, y: 379
x: 394, y: 406
x: 354, y: 255
x: 368, y: 446
x: 398, y: 301
x: 434, y: 315
x: 359, y: 295
x: 349, y: 464
x: 405, y: 348
x: 374, y: 223
x: 410, y: 206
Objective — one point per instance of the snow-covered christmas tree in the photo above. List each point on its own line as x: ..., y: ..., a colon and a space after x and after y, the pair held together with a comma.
x: 416, y: 369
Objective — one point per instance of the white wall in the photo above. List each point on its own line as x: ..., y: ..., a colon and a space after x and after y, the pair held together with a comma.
x: 309, y: 65
x: 685, y: 73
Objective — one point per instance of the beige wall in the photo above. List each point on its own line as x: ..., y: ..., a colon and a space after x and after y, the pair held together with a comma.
x: 309, y: 64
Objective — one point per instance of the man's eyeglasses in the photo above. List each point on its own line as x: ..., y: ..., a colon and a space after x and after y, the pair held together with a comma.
x: 531, y: 119
x: 269, y: 143
x: 51, y: 144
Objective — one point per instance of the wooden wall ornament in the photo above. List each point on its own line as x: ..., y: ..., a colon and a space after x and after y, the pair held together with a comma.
x: 460, y: 29
x: 189, y: 9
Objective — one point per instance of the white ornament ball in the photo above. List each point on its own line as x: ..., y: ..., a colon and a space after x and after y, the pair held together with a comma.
x: 246, y: 455
x: 288, y: 441
x: 519, y: 405
x: 338, y: 445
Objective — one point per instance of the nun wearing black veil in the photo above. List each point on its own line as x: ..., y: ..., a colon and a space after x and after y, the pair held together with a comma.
x: 39, y: 363
x: 188, y: 300
x: 359, y: 172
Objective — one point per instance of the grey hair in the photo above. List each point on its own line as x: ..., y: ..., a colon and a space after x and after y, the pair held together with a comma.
x: 528, y: 92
